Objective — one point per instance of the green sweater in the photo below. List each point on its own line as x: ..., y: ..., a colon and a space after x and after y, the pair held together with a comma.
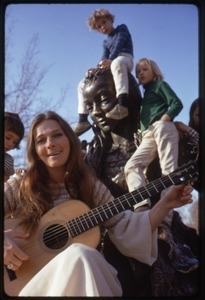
x: 159, y: 99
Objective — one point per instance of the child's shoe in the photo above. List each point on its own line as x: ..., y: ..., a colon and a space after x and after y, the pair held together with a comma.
x: 118, y: 112
x: 82, y: 127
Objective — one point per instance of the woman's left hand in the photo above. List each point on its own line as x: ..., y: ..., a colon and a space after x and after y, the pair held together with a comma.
x: 177, y: 195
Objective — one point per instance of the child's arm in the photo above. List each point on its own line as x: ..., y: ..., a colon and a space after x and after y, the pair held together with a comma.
x: 172, y: 100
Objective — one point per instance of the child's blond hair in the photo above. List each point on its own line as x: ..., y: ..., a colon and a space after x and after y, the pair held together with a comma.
x: 98, y: 14
x: 156, y: 70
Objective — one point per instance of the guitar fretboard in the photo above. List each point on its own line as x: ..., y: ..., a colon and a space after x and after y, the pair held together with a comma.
x: 125, y: 202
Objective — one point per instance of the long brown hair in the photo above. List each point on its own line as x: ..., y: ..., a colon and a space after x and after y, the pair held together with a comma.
x: 34, y: 195
x: 194, y: 105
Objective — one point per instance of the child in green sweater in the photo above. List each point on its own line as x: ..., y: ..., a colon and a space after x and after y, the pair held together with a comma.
x: 159, y: 106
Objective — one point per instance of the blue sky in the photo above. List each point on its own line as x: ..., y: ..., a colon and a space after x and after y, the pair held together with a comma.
x: 166, y: 33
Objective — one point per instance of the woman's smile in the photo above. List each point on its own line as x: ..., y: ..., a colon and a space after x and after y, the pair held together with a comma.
x: 52, y: 146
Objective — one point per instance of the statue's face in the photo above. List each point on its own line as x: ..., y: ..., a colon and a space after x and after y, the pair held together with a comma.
x: 101, y: 98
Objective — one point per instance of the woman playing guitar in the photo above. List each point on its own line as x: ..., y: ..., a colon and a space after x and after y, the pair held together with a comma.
x: 50, y: 238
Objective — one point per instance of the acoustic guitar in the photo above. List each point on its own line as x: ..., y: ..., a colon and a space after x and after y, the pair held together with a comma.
x: 73, y: 221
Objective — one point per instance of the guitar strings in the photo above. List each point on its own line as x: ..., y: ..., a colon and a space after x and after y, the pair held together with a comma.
x: 94, y: 217
x: 102, y: 213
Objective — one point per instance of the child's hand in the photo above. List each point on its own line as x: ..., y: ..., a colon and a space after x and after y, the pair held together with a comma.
x: 105, y: 63
x: 181, y: 126
x: 20, y: 171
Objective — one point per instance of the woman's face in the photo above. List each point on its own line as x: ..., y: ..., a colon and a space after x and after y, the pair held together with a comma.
x: 52, y: 145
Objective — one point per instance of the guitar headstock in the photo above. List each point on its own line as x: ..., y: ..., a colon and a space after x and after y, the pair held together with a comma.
x: 186, y: 173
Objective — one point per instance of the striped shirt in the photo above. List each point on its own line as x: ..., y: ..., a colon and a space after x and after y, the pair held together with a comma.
x: 8, y: 165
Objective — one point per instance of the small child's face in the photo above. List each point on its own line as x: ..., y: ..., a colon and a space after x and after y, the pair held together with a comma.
x: 104, y: 25
x: 144, y: 73
x: 10, y: 140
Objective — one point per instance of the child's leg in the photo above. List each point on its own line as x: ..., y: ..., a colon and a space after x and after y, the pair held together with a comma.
x: 82, y: 108
x: 83, y: 125
x: 120, y: 68
x: 167, y: 139
x: 142, y: 157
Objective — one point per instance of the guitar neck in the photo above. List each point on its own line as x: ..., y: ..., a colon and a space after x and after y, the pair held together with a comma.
x: 125, y: 202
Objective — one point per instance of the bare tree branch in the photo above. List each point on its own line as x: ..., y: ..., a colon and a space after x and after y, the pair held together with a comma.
x: 22, y: 89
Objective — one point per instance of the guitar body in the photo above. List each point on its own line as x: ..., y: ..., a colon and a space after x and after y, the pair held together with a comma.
x: 49, y: 239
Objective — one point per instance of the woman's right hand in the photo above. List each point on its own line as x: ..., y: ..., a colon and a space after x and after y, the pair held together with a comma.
x: 174, y: 196
x: 13, y: 255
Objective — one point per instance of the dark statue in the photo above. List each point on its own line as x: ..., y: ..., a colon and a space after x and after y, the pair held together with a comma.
x: 175, y: 273
x: 113, y: 142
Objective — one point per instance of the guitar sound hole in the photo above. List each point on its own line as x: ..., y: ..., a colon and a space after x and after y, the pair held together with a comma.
x: 55, y: 236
